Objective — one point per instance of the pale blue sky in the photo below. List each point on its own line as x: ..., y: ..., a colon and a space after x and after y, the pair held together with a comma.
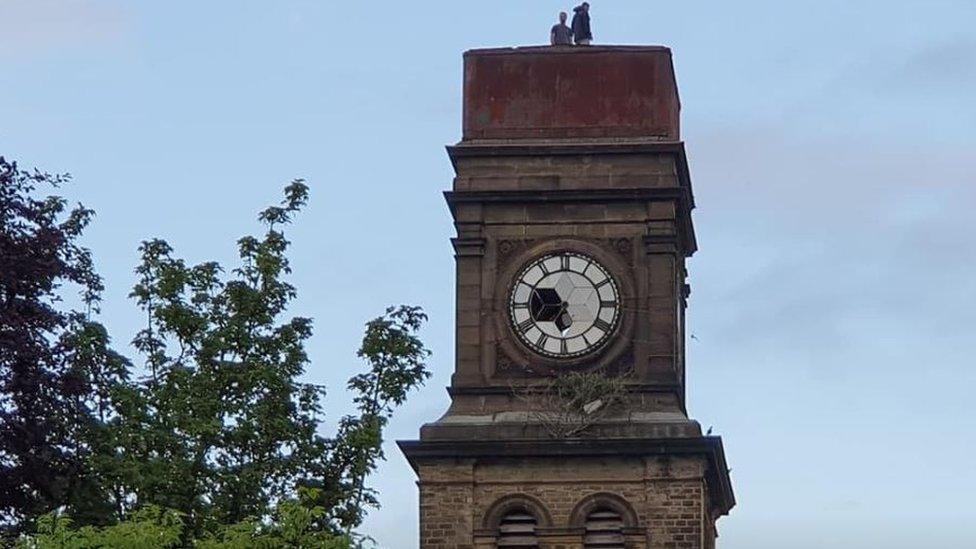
x: 832, y: 152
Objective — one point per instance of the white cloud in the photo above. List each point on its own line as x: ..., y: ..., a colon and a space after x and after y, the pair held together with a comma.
x: 950, y: 63
x: 36, y: 27
x: 822, y: 246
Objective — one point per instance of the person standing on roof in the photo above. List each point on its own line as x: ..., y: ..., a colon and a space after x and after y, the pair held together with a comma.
x: 561, y: 35
x: 581, y: 24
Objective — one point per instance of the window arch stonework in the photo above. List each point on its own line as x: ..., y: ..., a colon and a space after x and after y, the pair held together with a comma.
x: 601, y: 502
x: 515, y: 502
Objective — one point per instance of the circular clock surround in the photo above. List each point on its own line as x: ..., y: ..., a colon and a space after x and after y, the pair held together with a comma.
x: 564, y: 305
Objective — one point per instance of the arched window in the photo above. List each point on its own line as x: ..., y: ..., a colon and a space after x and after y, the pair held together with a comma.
x: 604, y: 529
x: 517, y: 529
x: 514, y: 520
x: 604, y: 517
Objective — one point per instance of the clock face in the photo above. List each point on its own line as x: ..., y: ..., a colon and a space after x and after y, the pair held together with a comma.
x: 564, y: 305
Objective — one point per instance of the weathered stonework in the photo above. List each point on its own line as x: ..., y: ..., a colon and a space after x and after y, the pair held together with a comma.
x: 607, y: 179
x: 664, y: 498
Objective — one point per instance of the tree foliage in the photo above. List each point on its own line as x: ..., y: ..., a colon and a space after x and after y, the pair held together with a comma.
x: 396, y: 365
x: 215, y: 442
x: 293, y: 525
x: 149, y: 527
x: 220, y: 428
x: 48, y: 393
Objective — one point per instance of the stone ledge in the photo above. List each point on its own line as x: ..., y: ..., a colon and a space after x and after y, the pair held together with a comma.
x: 521, y: 426
x: 710, y: 447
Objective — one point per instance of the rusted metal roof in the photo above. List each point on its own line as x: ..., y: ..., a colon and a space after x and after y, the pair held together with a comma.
x: 570, y: 92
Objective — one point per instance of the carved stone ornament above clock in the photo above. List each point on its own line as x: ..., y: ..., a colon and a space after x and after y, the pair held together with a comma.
x: 513, y: 247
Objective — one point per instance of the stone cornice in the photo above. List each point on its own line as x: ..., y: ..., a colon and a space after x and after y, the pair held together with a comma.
x: 534, y: 148
x: 709, y: 447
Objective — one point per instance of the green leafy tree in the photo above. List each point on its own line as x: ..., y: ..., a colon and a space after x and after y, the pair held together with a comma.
x: 148, y: 528
x: 56, y: 367
x: 216, y: 442
x: 294, y: 525
x: 396, y: 358
x: 221, y: 428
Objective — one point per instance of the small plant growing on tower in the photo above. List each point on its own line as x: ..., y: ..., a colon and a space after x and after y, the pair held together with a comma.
x: 568, y: 405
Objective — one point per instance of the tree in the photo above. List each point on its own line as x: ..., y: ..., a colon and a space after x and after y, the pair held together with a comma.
x: 396, y: 365
x: 320, y: 513
x: 293, y: 525
x: 221, y: 429
x: 215, y: 443
x: 148, y: 527
x: 47, y: 383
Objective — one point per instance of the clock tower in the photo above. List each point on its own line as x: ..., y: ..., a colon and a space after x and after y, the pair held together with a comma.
x: 572, y: 202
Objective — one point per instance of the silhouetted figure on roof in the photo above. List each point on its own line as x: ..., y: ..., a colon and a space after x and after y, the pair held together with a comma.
x: 581, y: 24
x: 561, y: 35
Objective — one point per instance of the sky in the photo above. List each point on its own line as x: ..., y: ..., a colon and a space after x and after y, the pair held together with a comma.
x: 831, y: 150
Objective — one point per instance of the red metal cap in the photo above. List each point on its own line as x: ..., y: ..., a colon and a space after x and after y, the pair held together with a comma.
x: 567, y: 92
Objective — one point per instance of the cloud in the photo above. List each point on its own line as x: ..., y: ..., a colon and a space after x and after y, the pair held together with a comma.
x: 920, y: 90
x: 948, y: 64
x: 37, y: 27
x: 820, y: 249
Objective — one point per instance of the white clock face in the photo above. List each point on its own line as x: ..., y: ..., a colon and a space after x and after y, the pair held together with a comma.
x: 564, y: 305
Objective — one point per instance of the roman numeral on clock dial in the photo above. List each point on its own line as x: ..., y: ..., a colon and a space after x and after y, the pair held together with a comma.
x: 601, y: 324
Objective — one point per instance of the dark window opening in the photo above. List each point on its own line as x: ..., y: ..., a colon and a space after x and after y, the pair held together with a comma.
x: 604, y: 530
x: 517, y: 529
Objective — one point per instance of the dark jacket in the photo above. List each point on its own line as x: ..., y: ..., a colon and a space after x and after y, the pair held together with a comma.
x: 581, y: 24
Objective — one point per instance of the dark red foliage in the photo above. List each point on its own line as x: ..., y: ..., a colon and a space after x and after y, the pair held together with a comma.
x: 39, y: 393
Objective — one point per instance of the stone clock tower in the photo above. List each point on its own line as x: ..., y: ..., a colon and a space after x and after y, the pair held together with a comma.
x: 572, y: 203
